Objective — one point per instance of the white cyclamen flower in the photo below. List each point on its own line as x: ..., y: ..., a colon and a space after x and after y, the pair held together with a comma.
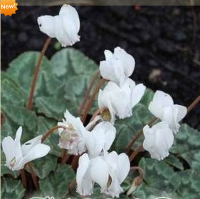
x: 89, y: 172
x: 100, y: 139
x: 118, y: 66
x: 158, y: 140
x: 72, y: 136
x: 18, y: 155
x: 163, y: 107
x: 120, y: 99
x: 118, y: 168
x: 109, y: 171
x: 64, y: 27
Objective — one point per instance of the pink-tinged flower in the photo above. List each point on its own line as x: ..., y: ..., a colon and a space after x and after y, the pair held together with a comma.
x: 64, y: 27
x: 118, y: 66
x: 163, y: 107
x: 158, y: 140
x: 18, y: 155
x: 72, y: 135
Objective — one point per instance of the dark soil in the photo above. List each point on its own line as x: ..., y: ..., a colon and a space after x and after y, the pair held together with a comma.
x: 165, y: 41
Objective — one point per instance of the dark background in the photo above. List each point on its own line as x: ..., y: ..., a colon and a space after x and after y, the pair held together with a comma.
x: 165, y: 41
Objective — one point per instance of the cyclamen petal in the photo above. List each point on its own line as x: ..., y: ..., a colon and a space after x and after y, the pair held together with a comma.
x: 118, y: 66
x: 100, y: 139
x: 120, y: 100
x: 163, y: 107
x: 64, y: 27
x: 17, y: 156
x: 158, y: 140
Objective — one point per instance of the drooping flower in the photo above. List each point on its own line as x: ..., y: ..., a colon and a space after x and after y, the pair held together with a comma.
x: 100, y: 139
x: 18, y: 155
x: 89, y: 172
x: 64, y: 27
x: 72, y: 136
x: 158, y: 140
x: 118, y: 168
x: 120, y: 99
x: 109, y: 171
x: 163, y: 107
x: 118, y: 66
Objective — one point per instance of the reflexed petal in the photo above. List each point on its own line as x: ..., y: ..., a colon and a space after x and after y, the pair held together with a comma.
x: 60, y: 33
x: 108, y: 54
x: 27, y: 146
x: 71, y: 15
x: 162, y: 98
x: 110, y: 134
x: 99, y: 172
x: 127, y: 60
x: 123, y: 167
x: 40, y: 150
x: 149, y: 138
x: 137, y: 94
x: 8, y: 146
x: 182, y: 111
x: 46, y: 25
x: 84, y: 184
x: 156, y: 109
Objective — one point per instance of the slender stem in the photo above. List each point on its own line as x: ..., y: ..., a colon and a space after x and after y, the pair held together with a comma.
x: 138, y: 134
x: 23, y: 177
x: 86, y: 96
x: 33, y: 175
x: 35, y: 75
x: 193, y: 104
x: 49, y: 132
x: 133, y: 155
x: 89, y: 104
x: 65, y: 156
x: 75, y: 162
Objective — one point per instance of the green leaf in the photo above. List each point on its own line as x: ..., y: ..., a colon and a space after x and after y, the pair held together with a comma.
x: 11, y: 188
x: 22, y: 68
x: 19, y: 116
x: 10, y: 91
x: 128, y: 127
x: 187, y: 146
x: 57, y: 184
x: 44, y: 166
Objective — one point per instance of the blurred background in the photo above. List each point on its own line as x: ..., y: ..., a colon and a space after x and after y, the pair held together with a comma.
x: 165, y: 42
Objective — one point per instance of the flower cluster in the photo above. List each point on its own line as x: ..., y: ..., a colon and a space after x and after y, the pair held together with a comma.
x: 121, y: 93
x: 159, y: 138
x: 118, y: 98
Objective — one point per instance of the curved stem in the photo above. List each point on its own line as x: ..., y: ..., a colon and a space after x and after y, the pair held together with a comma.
x: 140, y: 170
x: 71, y: 186
x: 134, y: 154
x: 89, y: 104
x: 75, y: 162
x: 65, y: 156
x: 193, y: 104
x: 35, y: 75
x: 49, y: 132
x: 23, y: 177
x: 138, y: 134
x: 88, y: 92
x: 97, y: 112
x: 33, y: 175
